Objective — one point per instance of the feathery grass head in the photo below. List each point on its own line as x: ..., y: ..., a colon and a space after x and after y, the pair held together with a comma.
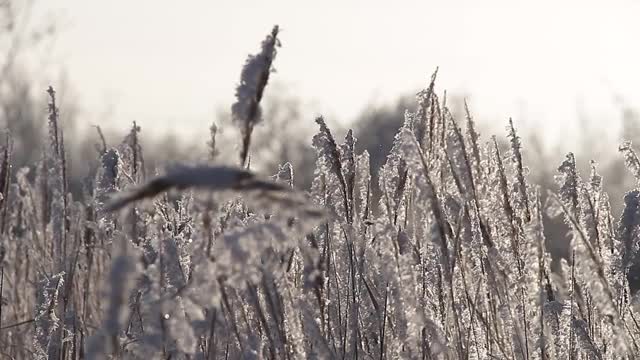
x: 255, y: 75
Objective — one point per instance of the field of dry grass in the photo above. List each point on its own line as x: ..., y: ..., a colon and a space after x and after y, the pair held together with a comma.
x: 214, y: 261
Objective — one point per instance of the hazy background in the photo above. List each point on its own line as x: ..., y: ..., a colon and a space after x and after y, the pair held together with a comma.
x: 566, y: 72
x: 171, y: 65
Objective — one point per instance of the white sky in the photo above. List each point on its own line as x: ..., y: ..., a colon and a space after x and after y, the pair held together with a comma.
x: 170, y: 64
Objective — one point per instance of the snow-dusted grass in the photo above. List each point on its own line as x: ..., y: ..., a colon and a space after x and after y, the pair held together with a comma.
x: 217, y: 262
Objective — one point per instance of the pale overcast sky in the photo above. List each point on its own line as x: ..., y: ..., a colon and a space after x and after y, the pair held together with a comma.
x: 170, y: 64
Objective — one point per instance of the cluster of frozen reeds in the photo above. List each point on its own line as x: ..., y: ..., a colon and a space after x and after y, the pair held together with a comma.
x: 449, y: 261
